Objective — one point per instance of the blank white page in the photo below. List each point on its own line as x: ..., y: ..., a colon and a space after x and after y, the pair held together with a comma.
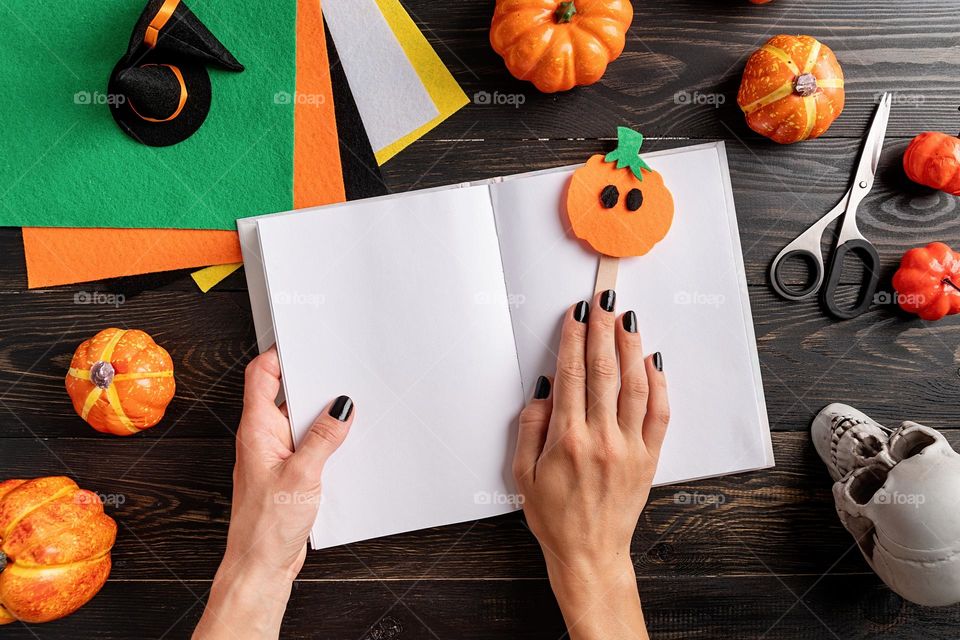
x: 399, y: 303
x: 689, y: 294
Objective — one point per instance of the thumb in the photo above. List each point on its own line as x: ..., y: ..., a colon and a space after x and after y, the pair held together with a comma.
x: 326, y: 434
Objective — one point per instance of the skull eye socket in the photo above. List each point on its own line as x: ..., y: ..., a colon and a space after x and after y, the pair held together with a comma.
x: 634, y: 199
x: 609, y: 196
x: 910, y: 444
x: 864, y: 485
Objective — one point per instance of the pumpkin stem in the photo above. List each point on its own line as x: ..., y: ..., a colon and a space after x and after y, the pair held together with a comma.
x: 565, y: 12
x: 627, y: 153
x: 3, y: 561
x: 949, y: 282
x: 101, y: 374
x: 805, y: 84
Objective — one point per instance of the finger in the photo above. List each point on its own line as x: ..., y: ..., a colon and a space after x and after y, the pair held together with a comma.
x: 658, y: 406
x: 534, y: 420
x: 570, y: 385
x: 603, y: 375
x: 262, y: 381
x: 325, y: 436
x: 634, y: 387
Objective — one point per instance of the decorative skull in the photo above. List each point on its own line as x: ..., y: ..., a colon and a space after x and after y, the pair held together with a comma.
x: 898, y: 494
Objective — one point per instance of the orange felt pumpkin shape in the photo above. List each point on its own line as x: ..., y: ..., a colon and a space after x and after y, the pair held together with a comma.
x: 559, y: 45
x: 792, y: 89
x: 55, y: 543
x: 120, y: 381
x: 933, y: 160
x: 618, y: 204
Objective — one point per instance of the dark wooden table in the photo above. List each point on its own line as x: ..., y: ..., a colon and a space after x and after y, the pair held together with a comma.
x: 771, y: 560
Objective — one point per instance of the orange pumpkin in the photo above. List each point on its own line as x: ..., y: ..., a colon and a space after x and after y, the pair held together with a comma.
x: 792, y: 89
x: 933, y: 160
x: 55, y: 543
x: 559, y: 45
x: 928, y: 281
x: 618, y: 204
x: 120, y: 381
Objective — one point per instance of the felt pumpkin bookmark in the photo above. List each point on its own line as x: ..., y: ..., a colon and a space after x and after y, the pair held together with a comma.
x: 619, y: 206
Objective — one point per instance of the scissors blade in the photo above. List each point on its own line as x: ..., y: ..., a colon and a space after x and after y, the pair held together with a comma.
x: 873, y: 147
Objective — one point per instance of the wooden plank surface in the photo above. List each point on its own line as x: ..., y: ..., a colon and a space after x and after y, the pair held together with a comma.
x: 763, y: 555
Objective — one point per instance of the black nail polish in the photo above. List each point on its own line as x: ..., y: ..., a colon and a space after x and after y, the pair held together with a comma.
x: 342, y: 408
x: 630, y: 322
x: 658, y: 361
x: 608, y: 299
x: 581, y: 312
x: 542, y: 390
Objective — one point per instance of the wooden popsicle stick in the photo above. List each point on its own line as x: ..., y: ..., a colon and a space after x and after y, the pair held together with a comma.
x: 607, y: 274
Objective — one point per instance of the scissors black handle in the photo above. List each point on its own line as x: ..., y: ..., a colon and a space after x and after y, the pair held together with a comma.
x: 871, y: 263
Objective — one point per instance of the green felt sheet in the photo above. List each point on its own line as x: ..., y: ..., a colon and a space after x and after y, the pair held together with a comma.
x: 65, y: 163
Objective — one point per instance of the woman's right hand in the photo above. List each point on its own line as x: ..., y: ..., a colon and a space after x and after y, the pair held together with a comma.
x: 587, y: 452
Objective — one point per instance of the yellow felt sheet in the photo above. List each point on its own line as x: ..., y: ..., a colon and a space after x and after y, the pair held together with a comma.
x: 210, y: 277
x: 437, y: 79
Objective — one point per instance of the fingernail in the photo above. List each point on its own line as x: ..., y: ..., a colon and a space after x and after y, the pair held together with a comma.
x: 608, y: 299
x: 630, y: 322
x: 342, y: 408
x: 658, y: 361
x: 581, y: 311
x: 542, y: 390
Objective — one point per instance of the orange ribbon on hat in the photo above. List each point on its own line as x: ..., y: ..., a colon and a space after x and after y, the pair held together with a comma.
x: 158, y: 22
x: 183, y: 95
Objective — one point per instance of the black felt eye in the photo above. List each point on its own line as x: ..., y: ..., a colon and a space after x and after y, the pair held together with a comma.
x: 609, y: 196
x: 634, y: 199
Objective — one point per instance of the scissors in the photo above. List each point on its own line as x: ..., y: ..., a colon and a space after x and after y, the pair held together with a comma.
x: 807, y: 246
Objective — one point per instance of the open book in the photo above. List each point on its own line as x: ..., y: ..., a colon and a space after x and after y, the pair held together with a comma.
x: 437, y: 310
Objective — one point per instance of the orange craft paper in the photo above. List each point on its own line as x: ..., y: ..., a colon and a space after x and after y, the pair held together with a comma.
x: 57, y: 256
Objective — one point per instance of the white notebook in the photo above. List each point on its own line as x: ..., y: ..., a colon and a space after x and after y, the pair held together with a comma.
x: 437, y: 310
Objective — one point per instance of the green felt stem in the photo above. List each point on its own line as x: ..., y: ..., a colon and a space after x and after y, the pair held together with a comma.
x: 627, y: 153
x: 565, y: 12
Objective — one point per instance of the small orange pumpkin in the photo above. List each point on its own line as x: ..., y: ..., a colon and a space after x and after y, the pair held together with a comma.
x: 556, y: 44
x: 928, y: 281
x: 933, y: 160
x: 55, y: 543
x: 121, y: 381
x: 792, y: 89
x: 618, y: 204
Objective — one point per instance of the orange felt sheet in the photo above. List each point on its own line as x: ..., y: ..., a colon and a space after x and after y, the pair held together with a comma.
x: 57, y: 256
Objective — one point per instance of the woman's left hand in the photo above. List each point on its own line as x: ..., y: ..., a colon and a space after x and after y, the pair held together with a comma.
x: 276, y: 495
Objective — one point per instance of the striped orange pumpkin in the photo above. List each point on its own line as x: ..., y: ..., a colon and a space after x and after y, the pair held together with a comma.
x: 792, y: 89
x: 55, y: 543
x: 121, y: 381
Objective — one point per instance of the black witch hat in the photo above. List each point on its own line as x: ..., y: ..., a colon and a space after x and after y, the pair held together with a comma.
x: 163, y: 78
